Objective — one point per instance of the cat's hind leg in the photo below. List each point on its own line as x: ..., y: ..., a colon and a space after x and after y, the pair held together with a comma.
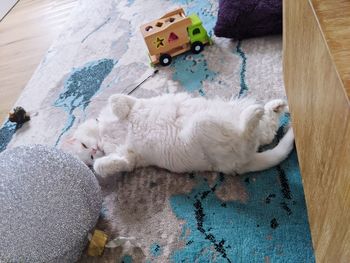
x: 121, y: 105
x: 269, y: 122
x: 114, y: 163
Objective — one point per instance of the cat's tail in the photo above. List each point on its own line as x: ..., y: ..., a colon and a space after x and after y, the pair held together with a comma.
x: 267, y: 159
x: 121, y: 105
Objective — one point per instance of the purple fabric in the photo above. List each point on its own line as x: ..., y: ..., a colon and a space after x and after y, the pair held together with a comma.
x: 241, y: 19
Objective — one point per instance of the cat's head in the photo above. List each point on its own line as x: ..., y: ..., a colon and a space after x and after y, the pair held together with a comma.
x: 84, y: 142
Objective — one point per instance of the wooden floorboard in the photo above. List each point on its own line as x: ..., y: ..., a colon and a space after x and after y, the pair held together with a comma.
x: 26, y: 33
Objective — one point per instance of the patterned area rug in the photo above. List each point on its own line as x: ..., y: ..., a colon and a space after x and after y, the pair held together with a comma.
x: 199, y: 217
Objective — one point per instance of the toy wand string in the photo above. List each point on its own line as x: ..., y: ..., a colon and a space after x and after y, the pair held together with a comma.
x: 138, y: 85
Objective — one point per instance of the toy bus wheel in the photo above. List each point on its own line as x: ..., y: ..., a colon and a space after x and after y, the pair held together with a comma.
x: 197, y: 47
x: 165, y: 60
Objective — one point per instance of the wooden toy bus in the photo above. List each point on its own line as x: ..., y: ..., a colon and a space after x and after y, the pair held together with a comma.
x: 173, y: 34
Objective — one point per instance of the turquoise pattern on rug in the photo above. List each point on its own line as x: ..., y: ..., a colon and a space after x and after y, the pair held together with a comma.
x: 191, y: 71
x: 81, y: 85
x: 6, y: 132
x: 156, y: 250
x: 271, y: 226
x: 243, y: 84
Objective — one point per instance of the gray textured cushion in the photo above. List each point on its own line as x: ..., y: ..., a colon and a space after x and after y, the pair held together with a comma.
x: 49, y: 201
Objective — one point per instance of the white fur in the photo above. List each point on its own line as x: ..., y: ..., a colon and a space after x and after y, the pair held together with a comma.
x: 182, y: 134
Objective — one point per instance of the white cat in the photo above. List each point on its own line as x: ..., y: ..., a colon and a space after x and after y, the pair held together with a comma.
x: 182, y: 134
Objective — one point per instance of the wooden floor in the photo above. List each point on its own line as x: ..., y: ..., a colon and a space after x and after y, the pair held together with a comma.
x: 26, y: 33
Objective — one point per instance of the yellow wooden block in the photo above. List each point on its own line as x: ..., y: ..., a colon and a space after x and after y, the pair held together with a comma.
x: 97, y: 243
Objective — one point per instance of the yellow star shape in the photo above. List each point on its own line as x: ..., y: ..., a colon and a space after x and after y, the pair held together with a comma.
x: 160, y: 42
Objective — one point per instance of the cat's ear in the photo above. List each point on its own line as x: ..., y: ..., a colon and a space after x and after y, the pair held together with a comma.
x: 70, y: 140
x: 67, y: 144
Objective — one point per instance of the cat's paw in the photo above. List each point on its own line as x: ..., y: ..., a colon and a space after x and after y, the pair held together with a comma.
x: 121, y: 105
x: 103, y: 167
x: 277, y: 106
x: 112, y: 164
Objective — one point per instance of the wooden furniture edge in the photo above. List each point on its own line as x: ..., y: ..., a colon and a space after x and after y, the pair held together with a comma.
x: 320, y: 113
